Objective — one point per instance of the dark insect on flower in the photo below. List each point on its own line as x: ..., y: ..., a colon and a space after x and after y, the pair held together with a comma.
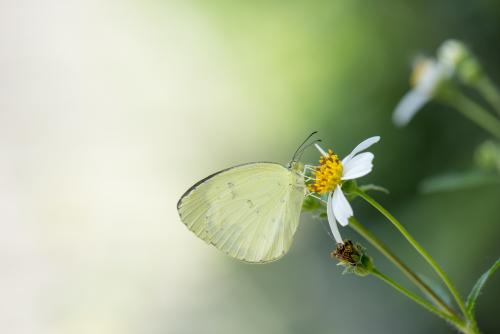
x: 353, y: 257
x: 346, y: 252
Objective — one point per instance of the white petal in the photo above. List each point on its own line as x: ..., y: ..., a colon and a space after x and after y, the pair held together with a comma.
x: 332, y: 221
x: 411, y: 102
x: 452, y: 52
x: 358, y: 166
x: 361, y: 147
x: 434, y: 72
x: 323, y: 153
x: 341, y: 207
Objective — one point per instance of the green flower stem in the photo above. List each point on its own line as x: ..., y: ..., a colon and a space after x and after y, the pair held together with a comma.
x: 473, y: 111
x: 412, y: 276
x: 454, y: 320
x: 435, y: 266
x: 489, y: 91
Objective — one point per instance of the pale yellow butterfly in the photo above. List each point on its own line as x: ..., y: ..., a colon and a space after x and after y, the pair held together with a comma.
x: 250, y: 212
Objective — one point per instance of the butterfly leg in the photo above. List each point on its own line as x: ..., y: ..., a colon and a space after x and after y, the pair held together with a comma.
x: 317, y: 197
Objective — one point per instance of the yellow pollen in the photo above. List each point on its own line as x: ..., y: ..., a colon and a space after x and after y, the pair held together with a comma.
x: 327, y: 175
x: 418, y: 70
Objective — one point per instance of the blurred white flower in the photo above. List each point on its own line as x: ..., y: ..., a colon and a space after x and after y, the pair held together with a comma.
x: 427, y: 75
x: 461, y: 62
x: 452, y: 52
x: 331, y: 173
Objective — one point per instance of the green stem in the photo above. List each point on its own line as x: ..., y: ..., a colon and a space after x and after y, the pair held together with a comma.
x: 489, y: 91
x: 472, y: 328
x: 473, y: 111
x: 435, y: 266
x: 454, y: 320
x: 412, y: 276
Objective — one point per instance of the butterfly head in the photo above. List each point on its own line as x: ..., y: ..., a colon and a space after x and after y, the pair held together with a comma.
x: 296, y: 166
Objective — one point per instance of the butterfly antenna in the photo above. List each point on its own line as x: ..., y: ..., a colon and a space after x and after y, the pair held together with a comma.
x: 299, y: 154
x: 301, y: 145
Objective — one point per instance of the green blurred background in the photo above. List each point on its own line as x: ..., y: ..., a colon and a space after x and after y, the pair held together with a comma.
x: 110, y: 110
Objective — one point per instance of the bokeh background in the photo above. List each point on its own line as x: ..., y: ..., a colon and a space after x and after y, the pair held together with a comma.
x: 110, y: 110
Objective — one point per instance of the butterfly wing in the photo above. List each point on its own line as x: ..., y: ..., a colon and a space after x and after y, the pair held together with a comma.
x: 251, y: 212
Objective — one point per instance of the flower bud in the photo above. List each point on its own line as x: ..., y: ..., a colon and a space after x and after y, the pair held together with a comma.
x: 487, y: 156
x: 353, y: 257
x: 457, y: 57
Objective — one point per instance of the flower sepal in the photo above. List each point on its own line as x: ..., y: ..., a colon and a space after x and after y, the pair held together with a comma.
x: 353, y: 258
x: 349, y: 187
x: 311, y: 204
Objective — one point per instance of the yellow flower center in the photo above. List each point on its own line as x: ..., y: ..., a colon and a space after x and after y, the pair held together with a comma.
x: 327, y: 175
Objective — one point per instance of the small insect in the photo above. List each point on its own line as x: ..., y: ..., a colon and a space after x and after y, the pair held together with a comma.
x: 250, y: 212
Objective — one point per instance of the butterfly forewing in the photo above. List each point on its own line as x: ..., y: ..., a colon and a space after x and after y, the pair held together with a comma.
x: 250, y: 212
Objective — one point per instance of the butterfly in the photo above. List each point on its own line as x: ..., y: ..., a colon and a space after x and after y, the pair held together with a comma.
x: 251, y: 211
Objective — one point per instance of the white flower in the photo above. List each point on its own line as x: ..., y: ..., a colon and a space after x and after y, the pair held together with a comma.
x: 426, y: 77
x: 460, y: 61
x: 452, y: 52
x: 330, y: 175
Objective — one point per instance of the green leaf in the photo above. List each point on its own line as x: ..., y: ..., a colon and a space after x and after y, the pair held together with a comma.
x: 457, y: 181
x: 311, y: 204
x: 476, y: 290
x: 374, y: 187
x: 350, y: 188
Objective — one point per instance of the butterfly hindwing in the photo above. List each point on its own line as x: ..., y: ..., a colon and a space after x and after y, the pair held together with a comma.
x: 250, y: 212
